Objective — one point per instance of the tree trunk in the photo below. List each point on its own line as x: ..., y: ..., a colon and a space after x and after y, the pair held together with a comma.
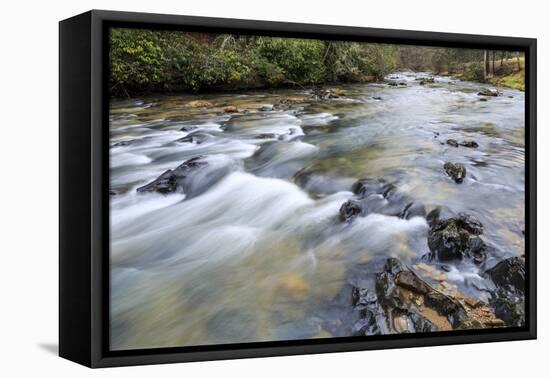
x: 485, y: 65
x: 501, y: 60
x: 519, y: 63
x: 493, y: 65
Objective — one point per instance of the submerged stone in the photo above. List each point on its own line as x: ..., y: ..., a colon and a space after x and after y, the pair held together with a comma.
x: 456, y: 171
x: 469, y: 144
x: 349, y: 210
x: 452, y: 142
x: 488, y: 92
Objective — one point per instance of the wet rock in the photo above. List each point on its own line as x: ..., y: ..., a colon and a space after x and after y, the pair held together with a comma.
x: 401, y: 324
x: 378, y: 196
x: 508, y: 300
x: 231, y: 109
x: 488, y: 92
x: 192, y: 177
x: 509, y: 307
x: 266, y: 108
x: 452, y: 142
x: 469, y: 324
x: 456, y: 239
x: 483, y: 99
x: 196, y: 137
x: 377, y: 98
x: 410, y: 281
x: 323, y: 94
x: 456, y: 171
x: 509, y: 274
x: 363, y: 296
x: 393, y: 84
x: 421, y: 324
x: 470, y: 144
x: 198, y: 104
x: 349, y: 210
x: 123, y: 143
x: 386, y: 290
x: 366, y: 187
x: 438, y: 214
x: 427, y: 80
x: 189, y: 128
x: 446, y: 306
x: 473, y: 302
x: 168, y: 181
x: 402, y: 83
x: 321, y: 183
x: 165, y: 183
x: 266, y: 136
x: 413, y: 209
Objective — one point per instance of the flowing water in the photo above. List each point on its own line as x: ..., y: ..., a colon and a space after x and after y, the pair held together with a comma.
x: 259, y: 252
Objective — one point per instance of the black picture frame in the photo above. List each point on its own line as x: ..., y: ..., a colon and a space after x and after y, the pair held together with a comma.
x: 84, y: 198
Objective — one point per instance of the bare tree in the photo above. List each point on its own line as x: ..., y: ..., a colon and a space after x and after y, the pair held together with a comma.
x: 493, y: 64
x: 519, y: 63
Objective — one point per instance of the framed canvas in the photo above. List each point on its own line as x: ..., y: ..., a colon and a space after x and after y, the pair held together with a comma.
x: 234, y: 188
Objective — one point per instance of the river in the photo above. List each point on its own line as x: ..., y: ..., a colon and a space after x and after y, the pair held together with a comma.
x: 258, y: 252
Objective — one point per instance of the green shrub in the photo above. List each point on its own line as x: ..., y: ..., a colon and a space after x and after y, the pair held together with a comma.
x: 474, y: 71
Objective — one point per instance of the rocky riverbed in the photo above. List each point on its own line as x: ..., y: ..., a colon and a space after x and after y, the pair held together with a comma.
x: 347, y: 210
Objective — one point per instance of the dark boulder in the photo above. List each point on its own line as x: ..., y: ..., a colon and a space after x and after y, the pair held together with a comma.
x: 488, y: 92
x: 509, y: 274
x: 426, y: 80
x: 387, y: 291
x: 196, y: 137
x: 469, y: 144
x: 188, y: 128
x: 169, y: 181
x: 438, y: 214
x: 510, y: 307
x: 456, y: 171
x: 446, y: 306
x: 413, y: 209
x: 192, y: 177
x: 457, y: 238
x: 508, y: 299
x: 266, y: 136
x: 410, y: 281
x: 368, y: 186
x: 349, y: 210
x: 421, y: 324
x: 378, y: 196
x: 323, y: 94
x: 452, y: 142
x: 165, y: 183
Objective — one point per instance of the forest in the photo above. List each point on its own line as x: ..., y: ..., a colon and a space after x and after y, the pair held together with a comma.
x: 160, y: 61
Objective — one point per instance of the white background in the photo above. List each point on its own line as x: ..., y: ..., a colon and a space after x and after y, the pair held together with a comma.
x: 29, y: 187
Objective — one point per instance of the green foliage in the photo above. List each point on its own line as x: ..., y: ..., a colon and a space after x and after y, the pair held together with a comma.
x: 143, y: 60
x: 474, y: 71
x: 287, y: 59
x: 136, y: 58
x: 147, y: 60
